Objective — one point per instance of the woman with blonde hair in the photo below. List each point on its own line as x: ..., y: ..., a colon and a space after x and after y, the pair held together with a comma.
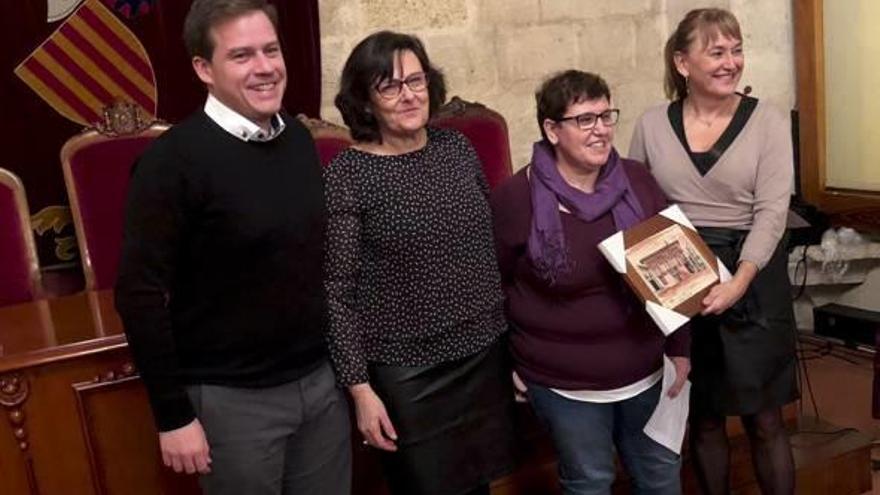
x: 726, y: 158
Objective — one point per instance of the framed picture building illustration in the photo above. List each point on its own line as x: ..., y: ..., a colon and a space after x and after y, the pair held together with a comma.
x: 667, y: 264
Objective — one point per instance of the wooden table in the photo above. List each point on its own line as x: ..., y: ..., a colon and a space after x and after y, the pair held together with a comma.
x: 76, y: 416
x: 77, y: 420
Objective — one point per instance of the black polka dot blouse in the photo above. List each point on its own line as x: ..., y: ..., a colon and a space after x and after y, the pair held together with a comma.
x: 412, y: 278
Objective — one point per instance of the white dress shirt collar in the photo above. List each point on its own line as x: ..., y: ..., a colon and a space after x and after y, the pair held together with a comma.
x: 238, y: 125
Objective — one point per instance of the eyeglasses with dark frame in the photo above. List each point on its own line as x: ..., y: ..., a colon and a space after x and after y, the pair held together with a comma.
x: 587, y: 120
x: 391, y: 88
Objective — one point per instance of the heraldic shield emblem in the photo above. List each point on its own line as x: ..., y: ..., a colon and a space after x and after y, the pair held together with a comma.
x: 91, y: 62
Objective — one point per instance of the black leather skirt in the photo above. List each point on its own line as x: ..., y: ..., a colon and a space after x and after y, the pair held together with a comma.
x: 743, y: 361
x: 453, y: 421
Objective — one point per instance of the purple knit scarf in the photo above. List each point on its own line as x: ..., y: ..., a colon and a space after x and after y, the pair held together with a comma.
x: 546, y: 244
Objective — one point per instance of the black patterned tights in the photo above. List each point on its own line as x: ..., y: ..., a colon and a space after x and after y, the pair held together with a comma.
x: 770, y: 447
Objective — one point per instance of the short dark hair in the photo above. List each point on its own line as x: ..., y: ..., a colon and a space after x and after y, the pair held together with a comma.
x: 707, y: 23
x: 371, y: 61
x: 564, y: 89
x: 204, y: 15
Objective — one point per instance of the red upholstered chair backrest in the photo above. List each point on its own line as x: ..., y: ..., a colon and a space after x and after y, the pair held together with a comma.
x: 19, y: 269
x: 487, y: 132
x: 485, y: 128
x: 329, y: 147
x: 330, y: 139
x: 96, y: 173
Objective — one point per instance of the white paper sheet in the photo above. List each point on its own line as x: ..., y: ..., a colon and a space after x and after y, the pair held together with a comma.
x: 669, y: 420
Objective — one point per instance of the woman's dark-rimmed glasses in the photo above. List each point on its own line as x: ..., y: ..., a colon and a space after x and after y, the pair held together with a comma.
x: 587, y: 120
x: 391, y: 88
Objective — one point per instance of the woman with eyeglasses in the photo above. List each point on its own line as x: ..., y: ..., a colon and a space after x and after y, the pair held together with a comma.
x: 416, y: 306
x: 586, y: 354
x: 726, y: 158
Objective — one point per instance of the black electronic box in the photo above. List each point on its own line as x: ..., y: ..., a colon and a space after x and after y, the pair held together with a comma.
x: 853, y: 326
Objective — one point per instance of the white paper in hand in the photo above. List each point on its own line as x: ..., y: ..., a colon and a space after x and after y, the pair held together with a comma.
x: 667, y: 424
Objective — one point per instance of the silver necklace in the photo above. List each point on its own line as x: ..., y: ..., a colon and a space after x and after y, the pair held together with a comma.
x: 706, y: 122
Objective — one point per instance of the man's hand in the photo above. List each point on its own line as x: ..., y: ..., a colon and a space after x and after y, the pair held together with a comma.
x: 682, y: 370
x: 372, y: 418
x: 186, y: 449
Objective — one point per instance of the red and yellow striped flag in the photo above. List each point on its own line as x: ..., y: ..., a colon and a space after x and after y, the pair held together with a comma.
x: 89, y: 62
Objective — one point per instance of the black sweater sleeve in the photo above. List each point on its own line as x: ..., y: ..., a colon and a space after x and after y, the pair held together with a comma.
x: 154, y: 221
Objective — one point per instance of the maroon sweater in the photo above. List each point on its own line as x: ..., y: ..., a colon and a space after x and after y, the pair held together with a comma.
x: 587, y: 331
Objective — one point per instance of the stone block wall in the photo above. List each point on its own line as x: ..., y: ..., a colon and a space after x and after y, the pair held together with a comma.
x: 498, y: 51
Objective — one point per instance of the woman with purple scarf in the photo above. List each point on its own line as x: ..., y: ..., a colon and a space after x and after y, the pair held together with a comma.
x: 589, y: 357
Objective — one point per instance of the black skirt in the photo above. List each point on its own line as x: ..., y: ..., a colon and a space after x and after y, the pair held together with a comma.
x: 743, y: 361
x: 453, y: 422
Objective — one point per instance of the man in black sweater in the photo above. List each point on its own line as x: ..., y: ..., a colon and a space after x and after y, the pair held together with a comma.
x: 220, y: 280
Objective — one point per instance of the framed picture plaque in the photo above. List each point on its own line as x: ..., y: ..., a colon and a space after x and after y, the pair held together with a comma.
x: 667, y: 264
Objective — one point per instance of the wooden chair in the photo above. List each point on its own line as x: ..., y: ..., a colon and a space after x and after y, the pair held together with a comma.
x: 97, y: 167
x: 19, y: 266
